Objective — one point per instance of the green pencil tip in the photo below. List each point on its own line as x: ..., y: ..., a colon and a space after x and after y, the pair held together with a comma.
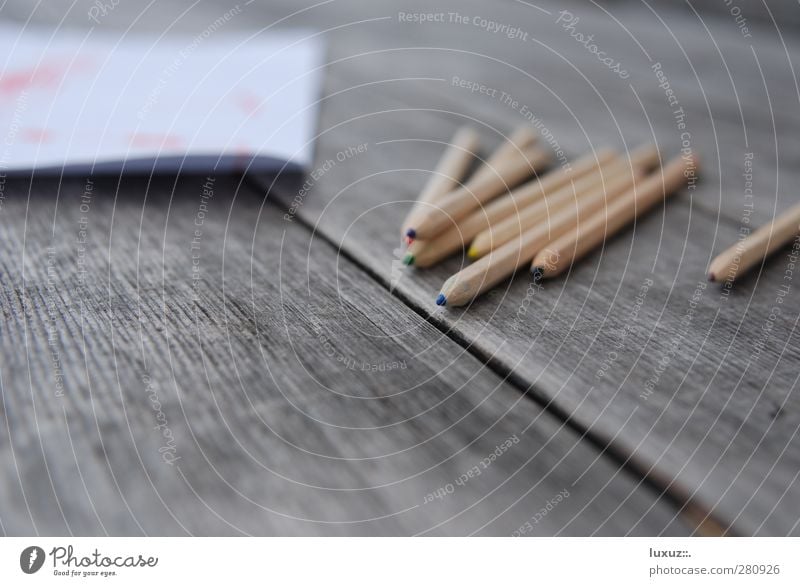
x: 408, y: 259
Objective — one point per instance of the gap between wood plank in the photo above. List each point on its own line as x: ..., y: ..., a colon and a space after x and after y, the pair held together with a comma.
x: 695, y: 515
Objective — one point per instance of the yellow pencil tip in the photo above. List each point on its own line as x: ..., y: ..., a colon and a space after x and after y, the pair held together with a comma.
x: 472, y: 253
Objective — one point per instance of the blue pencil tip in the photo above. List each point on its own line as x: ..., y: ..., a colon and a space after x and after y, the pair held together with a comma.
x: 411, y: 233
x: 441, y: 299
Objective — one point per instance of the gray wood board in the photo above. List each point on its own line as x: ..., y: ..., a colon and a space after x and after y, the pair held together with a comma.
x: 300, y: 397
x: 583, y: 104
x: 722, y: 146
x: 719, y: 426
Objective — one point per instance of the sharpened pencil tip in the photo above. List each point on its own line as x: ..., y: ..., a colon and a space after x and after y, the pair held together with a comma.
x: 537, y: 273
x: 441, y: 299
x: 472, y: 253
x: 712, y: 277
x: 411, y: 233
x: 408, y: 259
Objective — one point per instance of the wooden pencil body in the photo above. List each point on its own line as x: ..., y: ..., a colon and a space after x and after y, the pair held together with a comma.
x: 612, y: 180
x: 535, y: 190
x: 425, y: 253
x: 644, y: 157
x: 559, y: 255
x: 448, y: 173
x: 748, y: 252
x: 519, y: 140
x: 458, y: 204
x: 503, y: 261
x: 602, y: 178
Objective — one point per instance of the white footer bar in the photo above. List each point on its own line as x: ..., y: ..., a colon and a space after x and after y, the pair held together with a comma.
x: 401, y: 561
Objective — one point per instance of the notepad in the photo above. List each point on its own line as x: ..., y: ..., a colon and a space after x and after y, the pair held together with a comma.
x: 86, y: 101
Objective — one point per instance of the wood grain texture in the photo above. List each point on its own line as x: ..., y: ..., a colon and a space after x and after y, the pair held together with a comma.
x: 717, y: 429
x: 292, y: 393
x: 693, y: 385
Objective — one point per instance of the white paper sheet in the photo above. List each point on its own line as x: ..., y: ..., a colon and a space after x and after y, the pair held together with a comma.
x: 89, y: 102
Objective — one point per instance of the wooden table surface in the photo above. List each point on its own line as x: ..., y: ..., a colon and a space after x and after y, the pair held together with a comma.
x: 286, y: 375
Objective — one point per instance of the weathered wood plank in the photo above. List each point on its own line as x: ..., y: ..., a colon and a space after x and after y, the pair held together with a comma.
x: 745, y: 15
x: 300, y: 397
x: 579, y: 101
x: 717, y: 425
x: 572, y: 114
x: 711, y: 354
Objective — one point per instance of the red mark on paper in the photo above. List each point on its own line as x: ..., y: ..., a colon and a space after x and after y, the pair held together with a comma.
x: 242, y: 154
x: 46, y: 76
x: 249, y: 102
x: 242, y: 149
x: 42, y: 77
x: 35, y: 135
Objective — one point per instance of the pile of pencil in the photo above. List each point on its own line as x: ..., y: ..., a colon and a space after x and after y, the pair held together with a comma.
x: 510, y: 213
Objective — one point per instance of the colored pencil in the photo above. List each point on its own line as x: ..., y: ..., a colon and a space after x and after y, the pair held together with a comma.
x: 752, y: 250
x: 520, y: 139
x: 480, y: 189
x: 503, y: 261
x: 603, y: 180
x: 425, y: 253
x: 448, y: 173
x: 563, y: 251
